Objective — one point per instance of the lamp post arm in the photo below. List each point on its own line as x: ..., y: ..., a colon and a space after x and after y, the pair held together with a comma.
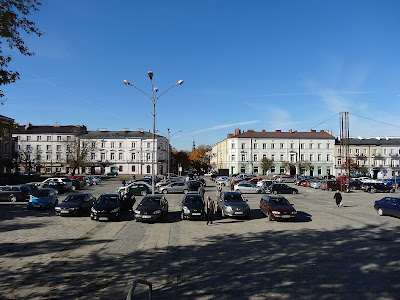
x: 130, y: 84
x: 166, y: 91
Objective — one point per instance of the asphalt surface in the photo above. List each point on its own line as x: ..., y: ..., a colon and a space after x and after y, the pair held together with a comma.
x: 328, y: 253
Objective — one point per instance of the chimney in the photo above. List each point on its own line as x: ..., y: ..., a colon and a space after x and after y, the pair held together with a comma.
x: 290, y: 130
x: 229, y: 135
x: 278, y: 130
x: 27, y: 126
x: 56, y: 124
x: 103, y: 130
x: 263, y: 130
x: 237, y: 131
x: 250, y: 130
x: 126, y: 129
x: 313, y: 130
x: 322, y: 131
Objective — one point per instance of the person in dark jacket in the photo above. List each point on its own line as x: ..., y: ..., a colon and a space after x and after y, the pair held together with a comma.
x: 210, y: 209
x: 338, y: 198
x: 201, y: 190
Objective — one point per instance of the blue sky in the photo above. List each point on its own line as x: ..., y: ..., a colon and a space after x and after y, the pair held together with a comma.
x: 245, y: 64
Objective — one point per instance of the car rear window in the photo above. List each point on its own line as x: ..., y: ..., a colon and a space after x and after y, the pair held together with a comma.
x: 233, y: 197
x: 40, y: 193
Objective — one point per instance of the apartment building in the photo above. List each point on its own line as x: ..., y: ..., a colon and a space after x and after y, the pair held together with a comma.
x: 7, y: 145
x: 245, y: 151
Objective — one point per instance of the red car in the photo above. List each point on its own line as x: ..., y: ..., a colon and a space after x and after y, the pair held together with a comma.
x: 256, y: 179
x: 277, y: 208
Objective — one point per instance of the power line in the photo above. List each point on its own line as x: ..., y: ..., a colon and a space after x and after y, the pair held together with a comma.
x: 325, y: 121
x: 375, y: 120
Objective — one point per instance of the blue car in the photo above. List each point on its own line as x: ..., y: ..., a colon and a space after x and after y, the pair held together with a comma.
x: 43, y: 199
x: 388, y: 206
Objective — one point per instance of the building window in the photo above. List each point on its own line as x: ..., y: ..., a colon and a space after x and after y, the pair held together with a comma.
x: 103, y: 144
x: 319, y: 157
x: 243, y: 145
x: 112, y: 145
x: 133, y: 168
x: 39, y: 137
x: 133, y: 145
x: 58, y: 169
x: 19, y: 138
x: 58, y: 157
x: 272, y: 146
x: 38, y: 157
x: 255, y: 157
x: 148, y: 156
x: 48, y: 157
x: 357, y: 151
x: 281, y: 146
x: 93, y: 156
x: 264, y: 156
x: 112, y: 156
x: 255, y: 170
x: 281, y: 170
x: 48, y: 147
x: 328, y: 157
x: 133, y: 156
x: 385, y: 151
x: 311, y: 157
x: 264, y: 146
x: 272, y: 156
x: 281, y: 157
x: 292, y: 157
x: 93, y: 145
x: 243, y: 157
x: 301, y: 157
x: 328, y: 146
x: 375, y: 152
x: 319, y: 146
x: 365, y: 151
x: 302, y: 146
x: 120, y: 156
x: 350, y: 151
x: 38, y: 147
x: 58, y: 147
x: 28, y: 147
x: 291, y: 146
x: 148, y: 169
x: 319, y: 170
x: 49, y: 138
x: 148, y: 145
x: 255, y: 146
x: 68, y: 137
x: 103, y: 156
x: 233, y: 157
x: 310, y: 146
x: 48, y: 169
x: 121, y: 144
x: 233, y: 145
x: 120, y: 168
x: 58, y: 138
x: 339, y: 162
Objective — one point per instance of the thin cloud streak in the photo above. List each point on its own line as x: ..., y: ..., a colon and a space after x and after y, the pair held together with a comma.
x: 220, y: 127
x: 318, y: 93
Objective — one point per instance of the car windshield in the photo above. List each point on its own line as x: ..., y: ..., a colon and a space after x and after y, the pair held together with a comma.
x: 150, y: 202
x: 108, y: 200
x: 40, y: 193
x: 193, y: 200
x: 5, y: 188
x: 75, y: 198
x: 233, y: 198
x: 278, y: 202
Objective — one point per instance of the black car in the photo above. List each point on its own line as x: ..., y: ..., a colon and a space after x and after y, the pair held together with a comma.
x: 281, y: 188
x: 389, y: 206
x: 194, y: 185
x: 75, y: 204
x: 151, y: 208
x: 192, y: 207
x: 377, y: 187
x: 106, y: 207
x: 14, y: 193
x: 60, y: 187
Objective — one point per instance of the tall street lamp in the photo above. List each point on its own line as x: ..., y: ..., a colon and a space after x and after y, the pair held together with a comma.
x: 153, y: 99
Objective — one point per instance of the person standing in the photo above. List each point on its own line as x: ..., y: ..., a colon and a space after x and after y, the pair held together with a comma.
x: 210, y: 209
x: 201, y: 190
x: 338, y: 198
x: 219, y: 190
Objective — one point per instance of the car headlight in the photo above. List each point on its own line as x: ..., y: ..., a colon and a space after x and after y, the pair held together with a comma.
x: 93, y: 210
x: 294, y: 212
x: 275, y: 212
x: 157, y: 212
x: 137, y: 212
x: 115, y: 210
x: 228, y: 208
x: 186, y: 210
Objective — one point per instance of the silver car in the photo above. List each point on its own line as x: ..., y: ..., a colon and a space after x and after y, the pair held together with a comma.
x: 175, y: 187
x: 247, y: 188
x: 232, y: 204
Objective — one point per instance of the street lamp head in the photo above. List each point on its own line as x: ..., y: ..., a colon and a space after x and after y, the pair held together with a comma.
x: 126, y: 82
x: 156, y: 89
x: 150, y: 74
x: 179, y: 82
x: 180, y: 130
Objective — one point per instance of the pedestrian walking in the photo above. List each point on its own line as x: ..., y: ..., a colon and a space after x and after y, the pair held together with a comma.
x: 123, y: 182
x: 338, y: 198
x: 219, y: 190
x: 210, y: 209
x: 133, y: 177
x: 201, y: 190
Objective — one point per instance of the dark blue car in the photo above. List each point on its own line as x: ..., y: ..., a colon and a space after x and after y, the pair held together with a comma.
x: 388, y: 206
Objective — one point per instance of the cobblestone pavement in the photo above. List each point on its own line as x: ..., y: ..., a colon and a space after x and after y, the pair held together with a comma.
x: 328, y: 253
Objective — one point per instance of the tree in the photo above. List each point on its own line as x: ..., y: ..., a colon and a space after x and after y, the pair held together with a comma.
x: 305, y: 165
x: 78, y: 154
x: 200, y: 160
x: 287, y: 165
x: 179, y: 158
x: 267, y: 164
x: 13, y: 20
x: 25, y: 158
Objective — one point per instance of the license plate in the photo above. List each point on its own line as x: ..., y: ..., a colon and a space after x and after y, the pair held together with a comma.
x: 285, y: 216
x: 65, y: 211
x: 103, y: 218
x: 196, y: 214
x: 238, y: 213
x: 146, y: 217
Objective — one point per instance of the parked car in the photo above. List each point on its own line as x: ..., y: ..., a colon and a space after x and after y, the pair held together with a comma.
x: 331, y: 185
x: 281, y: 188
x: 138, y: 189
x: 60, y: 187
x: 14, y: 193
x: 75, y: 204
x: 284, y: 178
x: 106, y: 207
x: 194, y: 185
x: 95, y: 179
x: 277, y: 208
x: 66, y: 181
x: 355, y: 184
x: 43, y: 199
x: 245, y: 187
x: 81, y: 178
x: 224, y: 180
x: 151, y: 208
x: 111, y: 174
x: 76, y: 184
x: 389, y: 206
x: 255, y: 180
x: 377, y: 187
x: 232, y: 204
x: 176, y: 187
x: 192, y: 207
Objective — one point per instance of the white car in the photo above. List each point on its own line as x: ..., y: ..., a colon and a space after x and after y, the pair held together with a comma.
x: 223, y: 180
x: 245, y: 187
x: 66, y: 181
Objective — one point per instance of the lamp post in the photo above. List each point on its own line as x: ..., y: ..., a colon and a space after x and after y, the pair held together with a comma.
x: 153, y: 99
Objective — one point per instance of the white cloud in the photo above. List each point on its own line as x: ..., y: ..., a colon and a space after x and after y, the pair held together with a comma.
x: 218, y: 127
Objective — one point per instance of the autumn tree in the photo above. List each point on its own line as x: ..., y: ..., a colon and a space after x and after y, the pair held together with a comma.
x: 13, y: 21
x: 78, y: 153
x: 267, y: 164
x: 200, y: 160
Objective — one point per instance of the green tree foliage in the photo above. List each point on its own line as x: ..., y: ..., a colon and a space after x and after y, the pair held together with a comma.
x: 13, y: 21
x: 287, y: 165
x: 267, y: 164
x: 305, y: 166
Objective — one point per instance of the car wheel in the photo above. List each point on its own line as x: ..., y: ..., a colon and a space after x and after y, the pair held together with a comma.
x: 165, y: 191
x: 258, y: 191
x: 380, y: 211
x: 372, y: 191
x: 13, y: 198
x: 294, y: 192
x: 144, y: 193
x: 238, y: 191
x: 330, y: 189
x: 185, y: 191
